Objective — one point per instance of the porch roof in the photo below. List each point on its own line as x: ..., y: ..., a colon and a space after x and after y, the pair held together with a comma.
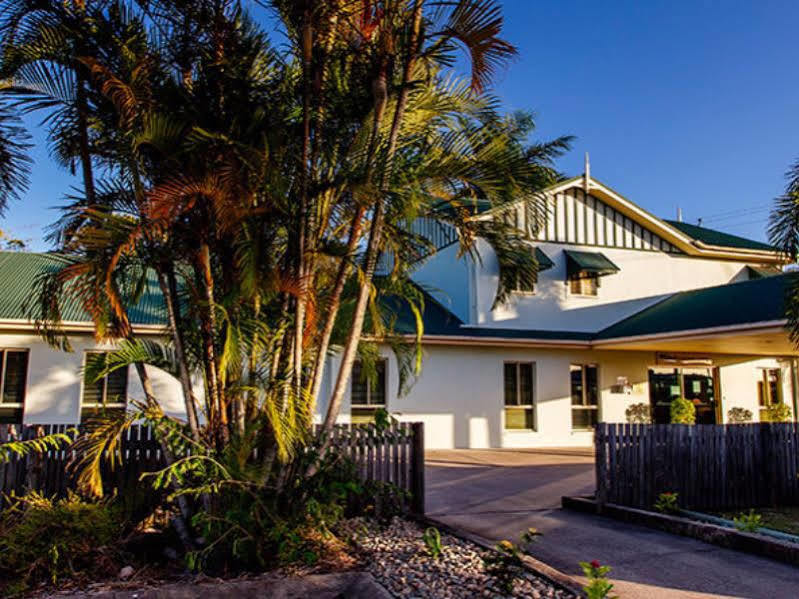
x: 755, y: 301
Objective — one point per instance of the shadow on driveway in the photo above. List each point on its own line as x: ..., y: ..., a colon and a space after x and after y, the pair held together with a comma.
x: 498, y: 494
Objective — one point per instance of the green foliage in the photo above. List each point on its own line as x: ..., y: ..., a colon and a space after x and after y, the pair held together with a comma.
x: 749, y: 521
x: 639, y: 413
x: 598, y: 587
x: 432, y: 541
x: 250, y: 527
x: 666, y: 503
x: 35, y: 445
x: 739, y: 416
x: 682, y: 411
x: 778, y: 412
x: 48, y: 540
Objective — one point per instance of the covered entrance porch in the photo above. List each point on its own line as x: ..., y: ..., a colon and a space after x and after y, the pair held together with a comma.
x: 720, y: 370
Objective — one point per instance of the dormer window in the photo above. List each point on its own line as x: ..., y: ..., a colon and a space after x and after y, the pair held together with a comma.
x: 583, y: 270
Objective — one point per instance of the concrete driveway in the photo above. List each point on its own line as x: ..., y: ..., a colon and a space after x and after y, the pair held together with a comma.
x: 498, y: 494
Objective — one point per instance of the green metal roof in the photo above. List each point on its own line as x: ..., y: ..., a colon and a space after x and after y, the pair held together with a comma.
x: 20, y: 270
x: 438, y: 321
x: 759, y: 272
x: 717, y: 238
x: 595, y: 263
x: 760, y: 300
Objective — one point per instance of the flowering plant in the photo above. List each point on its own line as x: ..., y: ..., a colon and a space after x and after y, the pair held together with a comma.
x: 598, y: 586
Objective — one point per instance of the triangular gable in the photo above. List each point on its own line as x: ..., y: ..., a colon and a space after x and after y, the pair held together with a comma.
x: 574, y: 217
x: 604, y: 218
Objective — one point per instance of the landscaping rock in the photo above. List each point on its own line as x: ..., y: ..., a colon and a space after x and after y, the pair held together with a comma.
x: 398, y: 559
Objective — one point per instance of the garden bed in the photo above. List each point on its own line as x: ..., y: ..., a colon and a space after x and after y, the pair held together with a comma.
x: 721, y: 534
x: 394, y: 556
x: 397, y: 557
x: 783, y: 519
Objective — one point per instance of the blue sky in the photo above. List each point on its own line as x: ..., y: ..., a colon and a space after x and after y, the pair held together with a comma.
x: 690, y: 104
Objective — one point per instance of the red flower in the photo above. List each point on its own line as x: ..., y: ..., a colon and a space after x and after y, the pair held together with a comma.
x: 595, y: 564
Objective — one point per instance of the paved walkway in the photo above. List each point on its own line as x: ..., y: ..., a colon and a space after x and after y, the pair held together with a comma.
x: 498, y: 494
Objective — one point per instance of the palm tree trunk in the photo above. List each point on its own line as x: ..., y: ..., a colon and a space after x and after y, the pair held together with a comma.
x: 169, y: 290
x: 180, y: 521
x: 83, y: 139
x: 375, y: 234
x: 334, y: 304
x: 208, y: 332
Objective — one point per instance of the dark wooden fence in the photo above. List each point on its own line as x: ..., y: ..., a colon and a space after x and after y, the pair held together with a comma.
x: 712, y: 467
x: 392, y: 455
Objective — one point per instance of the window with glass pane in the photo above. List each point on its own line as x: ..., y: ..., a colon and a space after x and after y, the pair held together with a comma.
x: 584, y: 286
x: 368, y: 393
x: 585, y: 396
x: 769, y: 390
x: 519, y: 382
x: 12, y: 393
x: 111, y: 391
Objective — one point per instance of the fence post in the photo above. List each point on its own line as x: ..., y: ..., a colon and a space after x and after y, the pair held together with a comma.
x: 417, y: 468
x: 600, y: 460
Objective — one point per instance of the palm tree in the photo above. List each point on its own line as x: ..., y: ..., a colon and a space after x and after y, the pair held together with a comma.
x: 783, y: 232
x: 14, y: 159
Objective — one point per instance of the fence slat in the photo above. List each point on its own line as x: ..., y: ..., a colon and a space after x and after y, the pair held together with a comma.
x: 712, y: 467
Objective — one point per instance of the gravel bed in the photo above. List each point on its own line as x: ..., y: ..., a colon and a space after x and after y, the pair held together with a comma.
x: 397, y: 558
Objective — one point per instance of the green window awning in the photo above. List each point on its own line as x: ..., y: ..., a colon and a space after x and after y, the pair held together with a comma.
x: 585, y: 264
x: 544, y: 263
x: 761, y: 272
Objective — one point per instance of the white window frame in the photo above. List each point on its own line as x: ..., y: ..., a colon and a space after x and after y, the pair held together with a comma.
x: 584, y: 406
x: 102, y: 404
x: 519, y: 406
x: 372, y: 406
x: 5, y: 351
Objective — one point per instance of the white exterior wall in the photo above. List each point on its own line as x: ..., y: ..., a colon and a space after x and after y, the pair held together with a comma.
x: 54, y: 380
x: 645, y: 277
x: 459, y: 395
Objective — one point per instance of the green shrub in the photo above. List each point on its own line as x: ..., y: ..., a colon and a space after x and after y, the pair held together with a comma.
x: 682, y: 411
x: 249, y: 530
x: 739, y: 416
x: 639, y: 413
x: 47, y: 540
x: 748, y: 522
x: 778, y: 412
x: 667, y: 503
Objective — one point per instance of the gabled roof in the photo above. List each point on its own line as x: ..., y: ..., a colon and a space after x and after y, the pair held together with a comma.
x: 718, y: 238
x: 690, y: 239
x: 20, y: 270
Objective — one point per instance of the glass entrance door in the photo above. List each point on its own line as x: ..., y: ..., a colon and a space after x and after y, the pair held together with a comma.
x: 698, y: 388
x: 694, y: 384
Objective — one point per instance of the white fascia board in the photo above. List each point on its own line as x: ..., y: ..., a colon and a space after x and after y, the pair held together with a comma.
x: 19, y: 324
x: 721, y: 331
